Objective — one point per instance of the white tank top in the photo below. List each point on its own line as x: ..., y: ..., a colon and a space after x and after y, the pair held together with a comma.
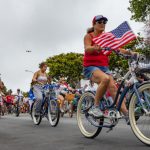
x: 42, y: 78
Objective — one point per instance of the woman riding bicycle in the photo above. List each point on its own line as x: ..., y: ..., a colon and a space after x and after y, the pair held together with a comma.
x: 63, y: 86
x: 39, y: 79
x: 96, y: 65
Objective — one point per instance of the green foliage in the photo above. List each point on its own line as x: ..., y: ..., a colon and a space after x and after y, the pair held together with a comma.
x: 25, y: 94
x: 140, y: 10
x: 4, y: 90
x: 146, y: 50
x: 66, y: 65
x: 118, y: 62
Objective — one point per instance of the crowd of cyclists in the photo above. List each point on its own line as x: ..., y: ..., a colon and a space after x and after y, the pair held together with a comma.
x: 95, y: 69
x: 67, y: 96
x: 9, y: 102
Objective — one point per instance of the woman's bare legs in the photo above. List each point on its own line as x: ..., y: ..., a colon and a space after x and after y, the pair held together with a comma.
x: 102, y: 80
x: 113, y: 91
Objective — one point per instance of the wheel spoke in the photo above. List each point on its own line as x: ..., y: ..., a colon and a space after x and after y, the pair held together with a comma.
x: 85, y: 121
x: 139, y: 114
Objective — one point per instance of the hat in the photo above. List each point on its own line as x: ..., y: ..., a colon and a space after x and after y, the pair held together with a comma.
x: 99, y: 17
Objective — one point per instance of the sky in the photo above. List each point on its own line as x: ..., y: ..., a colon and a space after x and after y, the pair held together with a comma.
x: 47, y: 28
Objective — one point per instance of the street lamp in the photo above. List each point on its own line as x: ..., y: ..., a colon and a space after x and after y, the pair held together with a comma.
x: 29, y: 71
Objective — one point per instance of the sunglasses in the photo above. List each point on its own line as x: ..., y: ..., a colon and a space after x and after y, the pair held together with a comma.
x: 101, y: 21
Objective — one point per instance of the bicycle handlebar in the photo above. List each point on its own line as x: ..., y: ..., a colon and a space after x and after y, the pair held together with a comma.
x: 132, y: 57
x: 50, y: 86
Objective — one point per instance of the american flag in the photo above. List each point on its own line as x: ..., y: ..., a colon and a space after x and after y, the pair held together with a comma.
x: 116, y: 38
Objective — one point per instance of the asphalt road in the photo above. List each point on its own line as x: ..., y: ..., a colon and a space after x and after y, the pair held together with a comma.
x: 20, y: 134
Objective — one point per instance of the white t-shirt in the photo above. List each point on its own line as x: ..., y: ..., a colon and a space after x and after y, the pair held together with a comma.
x: 62, y: 89
x: 91, y: 88
x: 25, y: 100
x: 18, y: 96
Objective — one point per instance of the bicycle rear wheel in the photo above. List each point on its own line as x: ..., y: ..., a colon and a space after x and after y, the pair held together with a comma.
x: 86, y: 127
x: 141, y: 126
x: 17, y: 111
x: 53, y: 113
x: 36, y: 119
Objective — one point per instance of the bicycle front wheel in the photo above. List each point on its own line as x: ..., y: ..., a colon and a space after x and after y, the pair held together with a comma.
x: 141, y: 126
x: 36, y: 119
x: 53, y: 113
x: 88, y: 129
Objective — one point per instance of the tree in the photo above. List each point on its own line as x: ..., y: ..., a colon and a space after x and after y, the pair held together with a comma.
x: 140, y: 10
x: 25, y: 94
x: 147, y: 32
x: 66, y: 65
x: 3, y: 87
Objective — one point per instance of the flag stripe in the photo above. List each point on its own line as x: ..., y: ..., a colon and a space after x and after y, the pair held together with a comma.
x: 118, y: 41
x: 121, y: 42
x: 102, y: 36
x: 115, y: 39
x: 105, y: 41
x: 100, y: 42
x: 124, y: 42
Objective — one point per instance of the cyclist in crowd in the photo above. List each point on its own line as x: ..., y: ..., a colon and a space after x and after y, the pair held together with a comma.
x: 74, y: 102
x: 18, y: 96
x: 39, y: 79
x: 18, y: 100
x: 96, y: 65
x: 62, y: 91
x: 25, y: 104
x: 9, y: 101
x: 91, y: 86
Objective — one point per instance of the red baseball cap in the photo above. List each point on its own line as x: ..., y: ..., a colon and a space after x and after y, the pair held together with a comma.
x: 99, y: 17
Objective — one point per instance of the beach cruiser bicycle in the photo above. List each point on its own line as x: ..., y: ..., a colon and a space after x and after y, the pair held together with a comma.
x: 16, y: 108
x: 139, y: 106
x: 49, y: 109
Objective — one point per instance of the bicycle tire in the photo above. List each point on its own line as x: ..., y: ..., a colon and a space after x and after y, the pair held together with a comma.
x: 51, y: 120
x: 133, y: 119
x: 35, y: 121
x: 86, y: 133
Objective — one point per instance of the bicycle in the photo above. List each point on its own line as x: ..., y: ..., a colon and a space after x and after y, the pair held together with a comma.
x: 139, y: 99
x: 49, y: 108
x: 16, y: 108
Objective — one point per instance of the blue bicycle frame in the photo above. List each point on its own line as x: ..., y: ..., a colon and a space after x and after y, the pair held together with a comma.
x: 133, y: 88
x: 52, y: 95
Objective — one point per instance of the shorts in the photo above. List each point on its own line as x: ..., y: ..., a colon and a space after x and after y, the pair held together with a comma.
x: 88, y: 71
